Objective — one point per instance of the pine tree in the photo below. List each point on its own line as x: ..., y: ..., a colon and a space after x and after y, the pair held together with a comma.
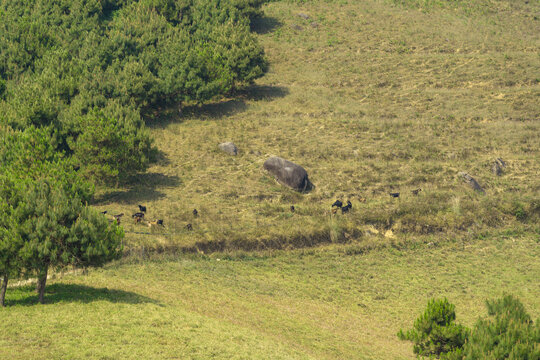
x: 435, y: 332
x: 507, y: 333
x: 10, y: 241
x: 44, y: 218
x: 59, y: 231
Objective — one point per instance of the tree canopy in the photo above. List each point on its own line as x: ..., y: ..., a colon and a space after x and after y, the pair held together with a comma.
x: 61, y: 61
x: 44, y: 217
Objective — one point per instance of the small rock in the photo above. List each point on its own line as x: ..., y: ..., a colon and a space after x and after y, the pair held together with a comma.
x: 471, y: 182
x: 389, y: 234
x: 303, y: 16
x: 229, y: 148
x: 314, y: 25
x: 498, y: 166
x: 297, y: 27
x: 288, y: 173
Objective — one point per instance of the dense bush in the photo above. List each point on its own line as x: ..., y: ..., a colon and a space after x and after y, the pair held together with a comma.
x: 507, y: 333
x: 61, y: 60
x: 435, y: 332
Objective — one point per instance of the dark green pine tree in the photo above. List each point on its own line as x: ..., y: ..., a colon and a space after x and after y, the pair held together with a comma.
x: 10, y: 242
x: 435, y: 333
x: 507, y: 333
x: 59, y: 231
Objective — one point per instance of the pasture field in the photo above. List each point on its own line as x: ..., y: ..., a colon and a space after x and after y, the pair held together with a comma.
x: 330, y: 302
x: 370, y: 97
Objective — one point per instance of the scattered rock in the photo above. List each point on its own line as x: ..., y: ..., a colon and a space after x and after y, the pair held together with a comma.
x: 471, y: 182
x: 288, y: 173
x: 498, y: 166
x: 297, y: 27
x: 229, y: 148
x: 389, y: 234
x: 303, y: 16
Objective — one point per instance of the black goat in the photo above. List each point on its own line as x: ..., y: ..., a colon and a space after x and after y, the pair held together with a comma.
x: 346, y: 208
x: 138, y: 217
x: 157, y: 222
x: 118, y: 217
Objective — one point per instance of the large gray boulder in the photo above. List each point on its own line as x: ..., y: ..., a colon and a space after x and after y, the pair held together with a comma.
x: 229, y: 148
x: 288, y: 173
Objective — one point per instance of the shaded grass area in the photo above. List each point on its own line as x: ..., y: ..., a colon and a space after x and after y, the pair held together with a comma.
x: 321, y: 303
x: 55, y: 293
x: 370, y: 97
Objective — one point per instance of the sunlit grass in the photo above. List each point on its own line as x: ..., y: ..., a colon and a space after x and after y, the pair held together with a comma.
x: 335, y: 302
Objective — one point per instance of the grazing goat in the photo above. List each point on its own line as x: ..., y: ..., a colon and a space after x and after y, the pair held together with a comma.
x: 395, y: 195
x: 415, y: 192
x: 118, y: 217
x: 346, y: 208
x: 338, y: 204
x: 155, y: 223
x: 138, y: 217
x: 293, y: 209
x: 189, y: 227
x: 195, y: 212
x: 142, y: 208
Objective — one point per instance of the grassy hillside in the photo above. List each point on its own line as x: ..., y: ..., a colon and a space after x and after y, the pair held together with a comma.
x: 324, y: 303
x: 370, y: 97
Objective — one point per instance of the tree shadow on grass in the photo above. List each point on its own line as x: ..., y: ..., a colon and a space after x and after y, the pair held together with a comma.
x: 219, y: 109
x: 58, y: 292
x: 141, y: 187
x: 264, y: 24
x: 262, y: 92
x: 215, y: 110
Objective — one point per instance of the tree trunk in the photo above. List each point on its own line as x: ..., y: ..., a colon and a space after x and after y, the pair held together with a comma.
x: 3, y: 291
x: 42, y: 279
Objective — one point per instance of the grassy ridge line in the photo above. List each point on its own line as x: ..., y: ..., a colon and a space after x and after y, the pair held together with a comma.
x: 321, y: 303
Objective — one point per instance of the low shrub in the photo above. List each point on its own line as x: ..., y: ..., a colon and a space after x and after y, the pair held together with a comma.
x: 435, y: 333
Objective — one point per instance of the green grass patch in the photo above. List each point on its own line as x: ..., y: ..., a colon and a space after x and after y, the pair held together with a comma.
x: 327, y: 303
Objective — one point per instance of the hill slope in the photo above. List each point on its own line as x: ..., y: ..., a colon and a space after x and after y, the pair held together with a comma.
x: 327, y: 303
x: 370, y: 97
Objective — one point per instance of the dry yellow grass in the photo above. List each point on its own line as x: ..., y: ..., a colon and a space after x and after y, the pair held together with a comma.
x: 370, y: 97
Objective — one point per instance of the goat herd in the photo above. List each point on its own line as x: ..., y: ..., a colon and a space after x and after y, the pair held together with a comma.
x: 138, y: 217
